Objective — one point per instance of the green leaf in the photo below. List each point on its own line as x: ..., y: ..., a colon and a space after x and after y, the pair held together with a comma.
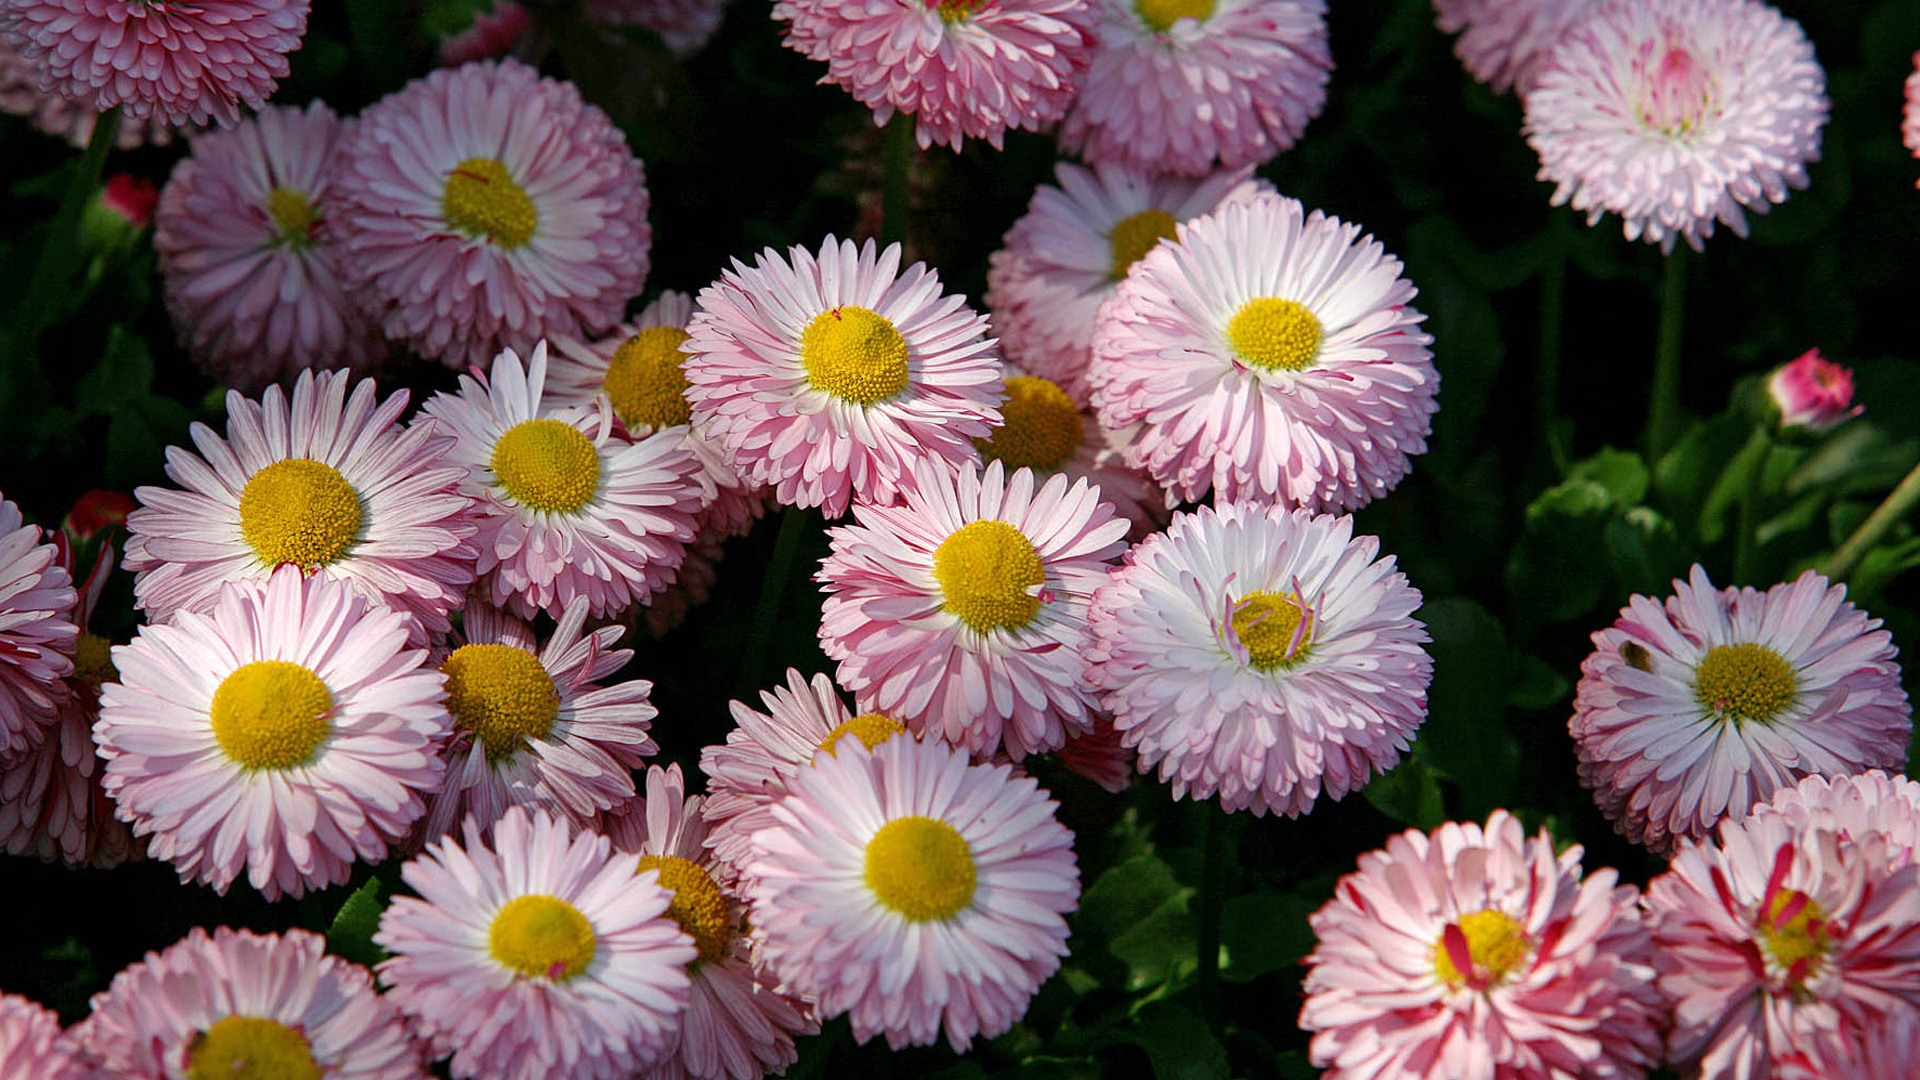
x: 1177, y: 1043
x: 1536, y: 683
x: 121, y: 380
x: 1645, y: 551
x: 1262, y: 932
x: 1724, y: 493
x: 1409, y: 794
x: 1140, y: 910
x: 1685, y: 476
x: 1465, y: 736
x: 351, y: 933
x: 1621, y: 472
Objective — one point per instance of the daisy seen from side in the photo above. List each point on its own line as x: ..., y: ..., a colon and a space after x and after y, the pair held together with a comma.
x: 1505, y: 43
x: 37, y: 633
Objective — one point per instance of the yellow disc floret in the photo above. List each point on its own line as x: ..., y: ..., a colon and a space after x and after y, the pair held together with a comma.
x: 871, y: 729
x: 1160, y: 15
x: 1496, y: 945
x: 293, y: 214
x: 1042, y: 427
x: 990, y: 575
x: 548, y: 465
x: 697, y: 904
x: 1275, y: 627
x: 854, y: 354
x: 251, y: 1048
x: 271, y: 714
x: 955, y: 11
x: 542, y: 937
x: 502, y: 694
x: 1271, y: 333
x: 93, y: 659
x: 921, y: 868
x: 1747, y: 683
x: 1136, y: 234
x: 1794, y: 932
x: 645, y: 381
x: 299, y: 511
x: 482, y: 200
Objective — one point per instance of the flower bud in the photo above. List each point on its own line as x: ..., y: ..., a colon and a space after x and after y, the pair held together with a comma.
x: 1812, y: 392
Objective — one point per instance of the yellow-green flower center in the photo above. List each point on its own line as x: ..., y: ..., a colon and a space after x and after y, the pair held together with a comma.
x: 1271, y: 333
x: 548, y: 465
x: 645, y: 381
x: 293, y: 214
x: 921, y: 868
x: 988, y: 572
x: 299, y: 511
x: 1746, y: 683
x: 1160, y: 15
x: 1042, y: 426
x: 854, y: 354
x: 1136, y: 234
x: 93, y: 659
x: 1494, y: 944
x: 871, y: 729
x: 1793, y: 931
x: 482, y: 200
x: 1276, y: 628
x: 271, y: 714
x: 697, y: 904
x: 502, y: 694
x: 251, y: 1048
x: 954, y: 11
x: 542, y: 937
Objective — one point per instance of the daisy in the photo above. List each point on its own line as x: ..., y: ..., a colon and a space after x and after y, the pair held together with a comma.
x: 236, y: 1003
x: 1262, y: 654
x: 537, y: 957
x: 1269, y: 354
x: 565, y: 507
x: 1100, y: 755
x: 1479, y: 952
x: 289, y: 733
x: 323, y: 480
x: 20, y: 95
x: 532, y: 724
x: 830, y: 375
x: 484, y: 207
x: 1675, y: 114
x: 37, y: 633
x: 493, y: 33
x: 1888, y: 1047
x: 914, y: 892
x: 1691, y: 711
x: 32, y: 1046
x: 1045, y: 430
x: 684, y: 26
x: 1910, y: 112
x: 247, y: 258
x: 1076, y: 242
x: 963, y: 611
x: 1186, y: 86
x: 176, y: 62
x: 1868, y: 804
x: 1505, y: 43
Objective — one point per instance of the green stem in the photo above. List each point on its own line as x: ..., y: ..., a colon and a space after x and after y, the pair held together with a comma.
x: 1213, y: 887
x: 766, y: 612
x: 1746, y: 540
x: 1890, y: 512
x: 896, y: 187
x: 53, y: 270
x: 1553, y: 294
x: 1663, y: 412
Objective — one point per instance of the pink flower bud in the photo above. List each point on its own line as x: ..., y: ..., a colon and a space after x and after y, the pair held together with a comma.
x: 1812, y: 392
x: 131, y: 197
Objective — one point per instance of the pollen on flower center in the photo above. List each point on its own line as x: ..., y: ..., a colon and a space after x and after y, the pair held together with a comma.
x: 93, y: 659
x: 548, y: 465
x: 299, y: 511
x: 921, y: 868
x: 271, y: 714
x: 871, y: 729
x: 854, y: 354
x: 502, y: 694
x: 294, y: 215
x: 1678, y: 93
x: 1270, y: 333
x: 1042, y: 429
x: 1793, y: 930
x: 251, y: 1048
x: 542, y: 937
x: 1745, y: 682
x: 1276, y: 628
x: 645, y: 381
x: 954, y: 11
x: 482, y: 200
x: 1136, y: 234
x: 697, y: 904
x: 989, y: 574
x: 1162, y: 14
x: 1481, y: 951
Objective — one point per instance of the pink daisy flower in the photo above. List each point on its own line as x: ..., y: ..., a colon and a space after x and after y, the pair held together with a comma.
x: 1045, y: 430
x: 830, y: 376
x: 961, y: 68
x: 1074, y: 245
x: 20, y: 95
x: 1675, y: 114
x: 565, y: 507
x: 177, y: 62
x: 494, y: 33
x: 289, y: 733
x: 1471, y: 952
x: 484, y: 207
x: 963, y: 611
x: 913, y: 891
x: 1186, y: 86
x: 323, y: 480
x: 1868, y: 804
x: 738, y: 1025
x: 1778, y: 934
x: 1263, y: 654
x: 684, y: 26
x: 1505, y: 43
x: 236, y: 1003
x: 1888, y: 1047
x: 32, y: 1046
x: 1301, y: 373
x: 538, y: 957
x: 1100, y: 755
x: 532, y: 724
x: 1910, y: 112
x: 1691, y: 711
x: 246, y: 256
x: 37, y: 633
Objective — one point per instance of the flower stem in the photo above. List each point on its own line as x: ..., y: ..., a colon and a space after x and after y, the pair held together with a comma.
x: 1891, y: 510
x: 766, y: 611
x: 1553, y: 293
x: 1663, y: 412
x: 53, y: 270
x: 1745, y: 541
x: 895, y: 182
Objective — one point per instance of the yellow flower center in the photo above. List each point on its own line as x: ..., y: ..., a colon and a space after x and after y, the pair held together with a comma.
x: 1270, y: 333
x: 299, y: 511
x: 541, y: 937
x: 953, y: 11
x: 1493, y: 943
x: 1745, y: 682
x: 547, y: 465
x: 93, y: 659
x: 920, y: 868
x: 1160, y: 15
x: 294, y: 215
x: 871, y: 729
x: 988, y: 571
x: 1793, y: 931
x: 645, y: 381
x: 697, y: 904
x: 481, y: 200
x: 1136, y: 234
x: 271, y: 714
x: 251, y: 1048
x: 854, y: 354
x: 502, y: 694
x: 1042, y: 426
x: 1276, y: 628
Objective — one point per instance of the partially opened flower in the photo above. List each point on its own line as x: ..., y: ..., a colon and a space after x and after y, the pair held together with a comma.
x: 1812, y: 392
x: 493, y: 33
x: 1505, y: 43
x: 32, y: 1046
x: 1677, y: 114
x: 37, y: 632
x: 1691, y: 710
